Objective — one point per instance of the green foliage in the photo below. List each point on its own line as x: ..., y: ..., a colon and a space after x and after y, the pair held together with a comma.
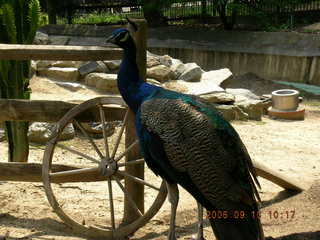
x: 19, y: 21
x: 33, y: 19
x: 8, y: 20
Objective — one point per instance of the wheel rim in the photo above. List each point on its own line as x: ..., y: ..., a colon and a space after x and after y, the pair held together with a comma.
x: 109, y: 166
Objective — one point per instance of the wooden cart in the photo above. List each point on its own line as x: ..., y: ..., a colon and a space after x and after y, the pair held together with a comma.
x: 106, y: 163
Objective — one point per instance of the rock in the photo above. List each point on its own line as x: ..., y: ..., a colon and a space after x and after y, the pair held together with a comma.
x: 192, y: 73
x: 40, y: 132
x: 161, y: 73
x: 238, y: 92
x: 176, y: 61
x: 231, y: 112
x: 103, y: 81
x: 41, y: 38
x: 250, y: 103
x: 194, y: 88
x: 152, y: 61
x: 219, y: 97
x: 94, y: 129
x: 62, y: 74
x: 113, y: 64
x: 43, y: 64
x: 178, y: 69
x: 2, y: 135
x: 93, y: 66
x: 217, y: 77
x: 33, y: 68
x: 67, y: 64
x: 254, y: 108
x: 312, y: 28
x: 71, y: 86
x: 153, y: 81
x: 165, y: 60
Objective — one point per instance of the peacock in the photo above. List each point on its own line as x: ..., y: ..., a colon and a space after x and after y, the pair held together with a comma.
x: 186, y: 141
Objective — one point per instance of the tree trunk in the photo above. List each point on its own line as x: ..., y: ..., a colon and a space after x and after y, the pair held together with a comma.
x: 52, y: 12
x: 227, y: 24
x: 153, y: 13
x: 203, y: 8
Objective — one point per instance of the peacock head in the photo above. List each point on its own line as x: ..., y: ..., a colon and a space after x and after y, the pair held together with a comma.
x: 122, y: 36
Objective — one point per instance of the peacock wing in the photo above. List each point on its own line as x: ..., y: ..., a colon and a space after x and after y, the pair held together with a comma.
x: 199, y: 143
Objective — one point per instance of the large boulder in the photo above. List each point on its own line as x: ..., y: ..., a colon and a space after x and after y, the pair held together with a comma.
x: 67, y: 64
x: 153, y: 81
x: 69, y: 74
x: 152, y: 61
x: 178, y: 69
x: 165, y: 60
x: 219, y: 97
x: 194, y: 88
x: 218, y: 77
x: 93, y: 66
x: 94, y: 129
x: 192, y: 73
x: 241, y: 93
x: 161, y: 73
x: 254, y: 108
x: 250, y: 103
x: 41, y: 38
x: 113, y: 65
x: 40, y: 132
x: 40, y: 64
x: 231, y: 112
x: 103, y: 81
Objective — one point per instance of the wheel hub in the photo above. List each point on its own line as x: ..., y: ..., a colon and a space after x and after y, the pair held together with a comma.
x: 108, y: 167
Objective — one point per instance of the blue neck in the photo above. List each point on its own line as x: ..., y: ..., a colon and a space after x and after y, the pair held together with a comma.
x: 131, y: 86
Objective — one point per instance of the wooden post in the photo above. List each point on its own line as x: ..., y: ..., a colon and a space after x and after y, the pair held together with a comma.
x: 136, y: 190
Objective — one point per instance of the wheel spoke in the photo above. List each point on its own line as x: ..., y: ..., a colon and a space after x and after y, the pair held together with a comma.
x: 132, y: 162
x: 75, y: 172
x: 120, y: 135
x: 103, y: 121
x: 138, y: 180
x: 77, y: 152
x: 111, y: 204
x: 126, y: 151
x: 134, y: 205
x: 90, y: 138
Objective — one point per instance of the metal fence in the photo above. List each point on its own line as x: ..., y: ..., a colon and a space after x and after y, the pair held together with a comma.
x: 185, y: 9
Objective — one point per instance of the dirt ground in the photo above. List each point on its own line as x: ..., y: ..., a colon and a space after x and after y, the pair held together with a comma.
x: 291, y: 147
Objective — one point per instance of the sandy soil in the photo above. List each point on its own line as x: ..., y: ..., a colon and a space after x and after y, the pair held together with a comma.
x: 292, y: 147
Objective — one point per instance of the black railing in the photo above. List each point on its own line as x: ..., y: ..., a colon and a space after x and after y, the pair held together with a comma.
x: 184, y: 9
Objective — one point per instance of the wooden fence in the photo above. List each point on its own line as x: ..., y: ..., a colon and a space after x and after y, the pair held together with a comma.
x: 52, y: 111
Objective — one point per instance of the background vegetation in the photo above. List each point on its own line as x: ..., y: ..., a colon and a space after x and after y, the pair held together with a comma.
x: 19, y: 21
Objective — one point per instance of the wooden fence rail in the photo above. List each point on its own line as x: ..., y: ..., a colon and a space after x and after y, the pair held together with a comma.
x: 55, y: 52
x: 51, y: 111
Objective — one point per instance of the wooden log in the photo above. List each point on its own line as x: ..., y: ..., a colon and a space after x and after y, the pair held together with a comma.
x: 276, y: 177
x: 136, y: 191
x: 53, y: 111
x: 55, y: 52
x: 31, y: 172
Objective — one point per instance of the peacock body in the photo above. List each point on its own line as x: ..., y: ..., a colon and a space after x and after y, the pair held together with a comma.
x: 187, y: 142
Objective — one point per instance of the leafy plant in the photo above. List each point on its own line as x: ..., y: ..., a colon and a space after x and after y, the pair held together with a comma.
x: 19, y: 21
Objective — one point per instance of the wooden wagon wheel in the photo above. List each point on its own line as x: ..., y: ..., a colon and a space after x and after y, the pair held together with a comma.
x: 105, y: 164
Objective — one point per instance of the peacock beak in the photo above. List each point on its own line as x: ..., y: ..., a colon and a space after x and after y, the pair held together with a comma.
x: 111, y: 39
